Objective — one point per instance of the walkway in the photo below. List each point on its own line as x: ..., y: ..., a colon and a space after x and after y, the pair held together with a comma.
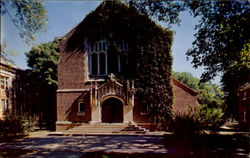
x: 43, y: 145
x: 75, y: 146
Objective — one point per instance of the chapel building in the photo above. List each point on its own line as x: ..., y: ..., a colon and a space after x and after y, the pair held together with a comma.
x: 89, y: 93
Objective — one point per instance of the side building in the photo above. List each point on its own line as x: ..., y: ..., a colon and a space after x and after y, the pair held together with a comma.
x: 11, y: 90
x: 244, y: 107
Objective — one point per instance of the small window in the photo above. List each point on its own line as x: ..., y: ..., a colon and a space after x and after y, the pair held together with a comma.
x: 245, y: 94
x: 6, y: 83
x: 2, y: 82
x: 7, y: 105
x: 81, y: 109
x: 3, y: 104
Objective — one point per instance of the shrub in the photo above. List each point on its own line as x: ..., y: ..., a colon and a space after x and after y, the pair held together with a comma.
x: 186, y: 124
x: 15, y: 124
x: 211, y: 118
x: 194, y: 121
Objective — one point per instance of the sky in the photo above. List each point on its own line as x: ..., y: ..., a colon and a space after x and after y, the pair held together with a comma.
x: 65, y: 15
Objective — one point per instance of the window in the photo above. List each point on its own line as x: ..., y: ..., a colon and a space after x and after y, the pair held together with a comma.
x: 3, y: 104
x: 3, y: 82
x: 81, y: 109
x: 144, y: 109
x: 94, y: 64
x: 104, y: 61
x: 244, y: 114
x: 113, y: 62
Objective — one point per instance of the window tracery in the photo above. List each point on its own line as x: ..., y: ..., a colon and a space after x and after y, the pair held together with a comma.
x: 104, y: 61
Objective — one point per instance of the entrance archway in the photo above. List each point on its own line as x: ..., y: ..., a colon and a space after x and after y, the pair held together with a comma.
x: 112, y: 110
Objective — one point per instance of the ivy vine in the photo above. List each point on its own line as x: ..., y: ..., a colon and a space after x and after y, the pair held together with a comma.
x: 149, y: 58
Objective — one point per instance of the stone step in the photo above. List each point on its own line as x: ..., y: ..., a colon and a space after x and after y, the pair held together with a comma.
x: 107, y: 128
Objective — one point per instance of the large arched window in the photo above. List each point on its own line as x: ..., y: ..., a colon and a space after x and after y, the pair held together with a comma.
x: 103, y: 61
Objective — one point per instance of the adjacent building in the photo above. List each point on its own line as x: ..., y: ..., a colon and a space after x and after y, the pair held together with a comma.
x: 10, y: 89
x: 244, y: 107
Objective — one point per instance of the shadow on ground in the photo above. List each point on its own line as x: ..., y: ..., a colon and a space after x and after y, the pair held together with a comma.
x: 204, y: 146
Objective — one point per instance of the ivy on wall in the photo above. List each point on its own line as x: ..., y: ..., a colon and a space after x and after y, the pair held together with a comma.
x: 149, y: 56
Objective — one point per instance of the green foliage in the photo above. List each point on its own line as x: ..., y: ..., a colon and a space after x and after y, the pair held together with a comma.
x: 211, y: 98
x: 43, y: 61
x: 149, y: 58
x: 236, y: 76
x: 41, y: 80
x: 16, y: 124
x: 188, y: 79
x: 223, y: 32
x: 186, y: 124
x: 197, y: 120
x: 30, y: 17
x: 222, y: 44
x: 211, y: 118
x: 210, y: 95
x: 166, y: 11
x: 4, y: 55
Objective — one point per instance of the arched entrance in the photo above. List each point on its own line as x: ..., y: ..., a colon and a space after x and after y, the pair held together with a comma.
x: 112, y: 110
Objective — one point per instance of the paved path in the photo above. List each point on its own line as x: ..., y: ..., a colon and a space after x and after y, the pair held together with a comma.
x: 75, y: 146
x: 43, y: 145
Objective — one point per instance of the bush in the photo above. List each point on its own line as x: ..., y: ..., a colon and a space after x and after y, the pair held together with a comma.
x: 211, y: 118
x: 15, y: 124
x: 195, y: 121
x: 186, y: 124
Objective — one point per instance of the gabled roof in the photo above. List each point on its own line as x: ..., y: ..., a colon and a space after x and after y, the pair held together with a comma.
x: 110, y: 18
x: 184, y: 87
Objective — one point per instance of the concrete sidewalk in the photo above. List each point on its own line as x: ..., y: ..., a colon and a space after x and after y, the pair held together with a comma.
x: 75, y: 146
x: 54, y: 144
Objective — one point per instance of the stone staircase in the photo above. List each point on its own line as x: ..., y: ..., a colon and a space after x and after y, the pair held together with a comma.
x: 107, y: 128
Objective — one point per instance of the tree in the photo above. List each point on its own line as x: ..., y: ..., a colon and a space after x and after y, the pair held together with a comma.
x: 30, y: 17
x: 188, y: 79
x: 238, y: 74
x: 43, y: 60
x: 165, y: 11
x: 223, y: 32
x: 210, y: 95
x: 222, y: 44
x: 41, y: 80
